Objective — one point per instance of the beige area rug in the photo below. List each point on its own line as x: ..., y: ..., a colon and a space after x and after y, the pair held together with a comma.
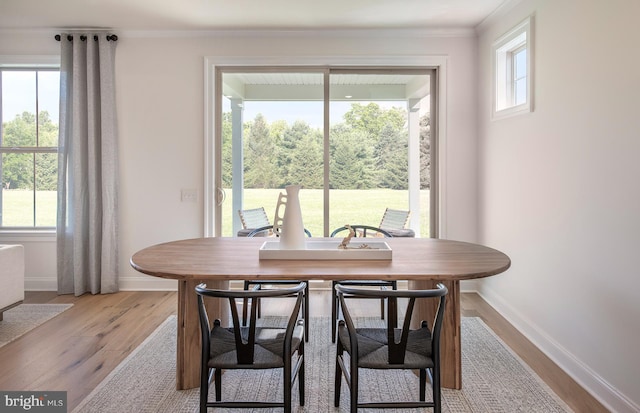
x: 25, y: 317
x: 494, y: 379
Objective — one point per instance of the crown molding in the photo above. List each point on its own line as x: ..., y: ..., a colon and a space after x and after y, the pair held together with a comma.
x: 328, y: 33
x: 498, y: 13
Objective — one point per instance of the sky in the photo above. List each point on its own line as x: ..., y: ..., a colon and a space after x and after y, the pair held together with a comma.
x: 308, y: 111
x: 15, y: 100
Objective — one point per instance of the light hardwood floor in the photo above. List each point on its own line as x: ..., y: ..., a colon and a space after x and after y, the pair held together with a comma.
x: 76, y: 350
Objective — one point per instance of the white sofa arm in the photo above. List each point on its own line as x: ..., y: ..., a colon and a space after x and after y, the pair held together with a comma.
x: 11, y: 275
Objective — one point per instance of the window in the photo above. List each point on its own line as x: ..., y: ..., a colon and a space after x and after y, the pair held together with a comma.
x: 29, y: 105
x: 513, y: 56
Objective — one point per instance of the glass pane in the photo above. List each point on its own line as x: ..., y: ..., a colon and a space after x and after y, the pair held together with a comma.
x: 17, y: 190
x: 425, y: 167
x: 272, y: 137
x: 520, y: 59
x: 18, y: 108
x: 369, y: 145
x: 46, y: 189
x: 48, y: 106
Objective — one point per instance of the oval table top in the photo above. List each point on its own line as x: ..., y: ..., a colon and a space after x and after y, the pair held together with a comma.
x: 237, y: 258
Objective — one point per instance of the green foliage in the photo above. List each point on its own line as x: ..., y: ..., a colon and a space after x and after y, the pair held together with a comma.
x: 227, y: 159
x: 372, y: 118
x: 425, y: 152
x: 306, y: 162
x: 18, y: 168
x: 260, y: 156
x: 367, y: 150
x: 351, y: 159
x: 391, y: 156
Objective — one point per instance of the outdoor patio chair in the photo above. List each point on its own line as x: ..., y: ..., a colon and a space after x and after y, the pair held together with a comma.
x: 252, y: 219
x: 394, y: 222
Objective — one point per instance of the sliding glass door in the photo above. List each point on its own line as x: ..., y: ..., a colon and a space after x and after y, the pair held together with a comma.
x: 357, y: 140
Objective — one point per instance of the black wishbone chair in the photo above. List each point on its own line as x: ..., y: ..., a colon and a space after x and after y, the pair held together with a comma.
x: 388, y: 347
x: 360, y: 232
x: 263, y: 232
x: 251, y: 347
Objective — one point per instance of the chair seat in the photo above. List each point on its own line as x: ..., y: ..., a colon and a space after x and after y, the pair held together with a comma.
x: 373, y: 351
x: 268, y: 347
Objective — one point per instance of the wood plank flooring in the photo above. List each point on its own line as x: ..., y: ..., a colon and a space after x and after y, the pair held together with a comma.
x: 76, y: 350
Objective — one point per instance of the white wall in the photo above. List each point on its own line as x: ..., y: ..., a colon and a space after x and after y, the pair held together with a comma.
x: 559, y: 193
x: 160, y: 97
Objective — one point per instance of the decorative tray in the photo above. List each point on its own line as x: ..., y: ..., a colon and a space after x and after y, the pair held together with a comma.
x: 328, y: 250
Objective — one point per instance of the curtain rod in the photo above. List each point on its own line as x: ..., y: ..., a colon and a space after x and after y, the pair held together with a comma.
x: 110, y: 37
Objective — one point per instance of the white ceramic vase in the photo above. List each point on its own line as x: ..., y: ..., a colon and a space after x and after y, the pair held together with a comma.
x: 289, y: 226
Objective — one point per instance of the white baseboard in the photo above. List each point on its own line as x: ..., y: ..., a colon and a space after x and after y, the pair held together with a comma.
x: 141, y: 283
x: 600, y: 389
x: 40, y: 284
x: 145, y: 283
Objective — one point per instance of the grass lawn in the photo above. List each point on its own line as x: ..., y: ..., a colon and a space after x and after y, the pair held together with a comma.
x: 364, y: 207
x: 347, y: 207
x: 17, y: 208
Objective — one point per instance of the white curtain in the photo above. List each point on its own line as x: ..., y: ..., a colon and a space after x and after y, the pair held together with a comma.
x: 87, y: 223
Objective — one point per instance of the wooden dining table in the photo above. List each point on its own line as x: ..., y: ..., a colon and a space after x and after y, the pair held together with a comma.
x: 217, y: 260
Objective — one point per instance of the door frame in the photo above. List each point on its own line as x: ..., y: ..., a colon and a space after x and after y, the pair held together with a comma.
x: 213, y: 196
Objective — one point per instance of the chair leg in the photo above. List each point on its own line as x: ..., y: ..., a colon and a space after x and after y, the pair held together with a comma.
x: 245, y: 303
x: 305, y: 311
x: 204, y: 389
x: 287, y: 384
x: 301, y: 380
x: 394, y: 310
x: 354, y: 383
x: 423, y: 384
x: 437, y: 396
x: 338, y: 376
x: 218, y: 384
x: 334, y: 311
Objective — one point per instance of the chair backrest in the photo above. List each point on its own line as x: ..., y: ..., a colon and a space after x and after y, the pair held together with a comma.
x: 260, y: 232
x: 394, y: 219
x: 397, y: 347
x: 361, y: 231
x: 253, y: 218
x: 245, y: 343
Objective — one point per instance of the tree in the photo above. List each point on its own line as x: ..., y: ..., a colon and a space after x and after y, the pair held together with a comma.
x: 292, y: 137
x: 351, y: 159
x: 227, y: 147
x: 425, y: 152
x: 306, y: 162
x: 260, y: 150
x: 17, y: 169
x: 372, y: 118
x: 391, y: 154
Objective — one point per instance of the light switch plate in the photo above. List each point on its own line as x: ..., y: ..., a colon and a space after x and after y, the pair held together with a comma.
x: 189, y: 195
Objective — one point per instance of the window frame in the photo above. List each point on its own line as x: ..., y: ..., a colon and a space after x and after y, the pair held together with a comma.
x: 503, y: 52
x: 28, y: 63
x: 214, y: 196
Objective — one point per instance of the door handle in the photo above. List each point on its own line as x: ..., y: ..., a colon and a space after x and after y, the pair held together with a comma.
x: 222, y: 195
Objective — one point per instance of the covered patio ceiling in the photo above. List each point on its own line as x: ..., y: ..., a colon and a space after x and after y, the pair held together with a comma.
x: 292, y: 86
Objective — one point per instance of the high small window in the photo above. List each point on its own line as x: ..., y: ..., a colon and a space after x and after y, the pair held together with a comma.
x: 512, y: 57
x: 29, y: 102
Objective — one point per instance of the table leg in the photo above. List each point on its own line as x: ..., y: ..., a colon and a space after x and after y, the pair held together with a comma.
x: 188, y: 346
x: 450, y: 341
